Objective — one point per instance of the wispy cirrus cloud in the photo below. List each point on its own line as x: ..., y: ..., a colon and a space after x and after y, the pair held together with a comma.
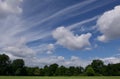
x: 79, y: 24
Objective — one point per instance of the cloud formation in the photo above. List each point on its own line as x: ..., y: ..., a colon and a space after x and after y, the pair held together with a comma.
x: 109, y: 25
x: 17, y: 31
x: 11, y: 25
x: 67, y: 39
x: 44, y: 48
x: 112, y: 59
x: 19, y: 49
x: 72, y: 61
x: 8, y: 7
x: 50, y: 48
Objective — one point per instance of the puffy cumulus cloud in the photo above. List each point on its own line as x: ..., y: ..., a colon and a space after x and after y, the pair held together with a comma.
x: 50, y: 48
x: 23, y: 51
x: 35, y: 61
x: 67, y: 39
x: 44, y: 48
x: 8, y: 7
x: 76, y: 61
x: 74, y: 58
x: 19, y: 49
x: 112, y: 59
x: 61, y: 58
x: 109, y: 25
x: 73, y: 61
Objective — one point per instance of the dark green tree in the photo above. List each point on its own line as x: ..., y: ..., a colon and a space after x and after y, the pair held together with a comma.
x: 89, y: 71
x: 46, y: 71
x: 71, y: 70
x: 98, y: 67
x: 30, y: 71
x: 78, y: 71
x: 42, y: 72
x: 4, y: 64
x: 67, y: 72
x: 52, y: 69
x: 113, y: 69
x: 60, y: 71
x: 18, y: 67
x: 36, y: 71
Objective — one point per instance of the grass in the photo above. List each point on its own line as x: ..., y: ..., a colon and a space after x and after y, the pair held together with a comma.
x: 69, y: 77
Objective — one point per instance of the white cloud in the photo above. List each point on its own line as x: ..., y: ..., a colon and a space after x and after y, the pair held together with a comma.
x: 34, y: 61
x: 8, y: 7
x: 109, y: 25
x: 67, y: 39
x: 76, y: 61
x: 73, y: 61
x: 61, y: 58
x: 88, y: 48
x: 11, y: 43
x: 11, y: 25
x: 74, y: 58
x: 18, y: 50
x: 112, y: 60
x: 50, y: 48
x: 44, y: 48
x: 83, y: 22
x: 102, y: 38
x: 13, y: 33
x: 13, y: 40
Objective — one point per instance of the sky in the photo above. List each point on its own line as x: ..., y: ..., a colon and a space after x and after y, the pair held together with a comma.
x: 66, y: 32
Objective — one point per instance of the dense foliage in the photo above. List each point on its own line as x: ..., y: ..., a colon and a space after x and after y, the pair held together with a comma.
x: 17, y: 67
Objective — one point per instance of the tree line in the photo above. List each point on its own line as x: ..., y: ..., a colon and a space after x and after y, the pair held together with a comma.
x: 17, y: 68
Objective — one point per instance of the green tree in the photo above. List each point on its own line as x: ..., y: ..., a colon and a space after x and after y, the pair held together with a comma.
x: 42, y: 72
x: 4, y: 64
x: 18, y: 63
x: 67, y: 72
x: 98, y: 67
x: 52, y: 69
x: 78, y: 71
x: 36, y: 71
x: 46, y: 70
x: 89, y: 71
x: 113, y: 69
x: 60, y: 71
x: 18, y: 66
x: 30, y: 71
x: 71, y: 70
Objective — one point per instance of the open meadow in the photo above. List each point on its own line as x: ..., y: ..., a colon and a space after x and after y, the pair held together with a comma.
x: 69, y: 77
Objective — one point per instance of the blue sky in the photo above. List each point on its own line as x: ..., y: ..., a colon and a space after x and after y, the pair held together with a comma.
x: 67, y: 32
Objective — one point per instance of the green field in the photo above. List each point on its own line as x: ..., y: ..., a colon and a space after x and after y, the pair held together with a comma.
x: 15, y: 77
